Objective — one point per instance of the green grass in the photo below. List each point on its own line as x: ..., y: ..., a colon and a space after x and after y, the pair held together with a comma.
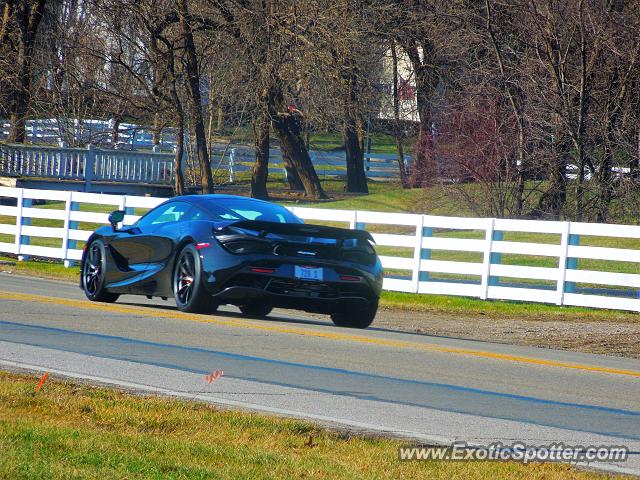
x: 380, y: 143
x: 71, y: 431
x: 324, y: 141
x: 474, y: 307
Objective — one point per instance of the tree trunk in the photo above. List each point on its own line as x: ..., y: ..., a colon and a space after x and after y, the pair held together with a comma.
x: 261, y: 167
x: 356, y: 178
x: 210, y: 127
x: 293, y: 179
x: 396, y: 116
x: 210, y: 112
x: 292, y: 145
x: 6, y: 11
x: 553, y: 199
x: 517, y: 106
x: 287, y: 127
x: 193, y: 89
x: 606, y: 180
x: 178, y: 179
x: 220, y: 124
x: 20, y: 98
x: 427, y: 77
x: 156, y: 138
x: 353, y: 136
x: 634, y: 167
x: 115, y: 130
x: 28, y: 17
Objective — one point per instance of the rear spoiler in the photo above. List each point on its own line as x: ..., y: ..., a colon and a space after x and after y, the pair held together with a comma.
x: 302, y: 229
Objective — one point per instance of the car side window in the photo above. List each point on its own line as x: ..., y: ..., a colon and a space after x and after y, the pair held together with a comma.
x: 170, y: 212
x: 195, y: 214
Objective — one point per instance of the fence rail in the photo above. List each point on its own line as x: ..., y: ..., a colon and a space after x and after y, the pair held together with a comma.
x: 156, y: 168
x: 419, y: 236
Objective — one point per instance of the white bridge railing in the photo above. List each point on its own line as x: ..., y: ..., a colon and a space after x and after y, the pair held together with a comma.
x: 156, y: 168
x: 86, y: 164
x: 420, y: 237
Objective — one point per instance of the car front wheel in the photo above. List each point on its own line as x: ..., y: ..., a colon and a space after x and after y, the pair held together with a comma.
x: 94, y: 269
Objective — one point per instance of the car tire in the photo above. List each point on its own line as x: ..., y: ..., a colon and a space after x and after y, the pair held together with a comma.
x: 360, y: 318
x: 187, y: 283
x: 94, y: 267
x: 257, y: 309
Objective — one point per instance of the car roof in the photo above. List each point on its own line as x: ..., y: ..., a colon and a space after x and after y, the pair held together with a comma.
x: 213, y: 197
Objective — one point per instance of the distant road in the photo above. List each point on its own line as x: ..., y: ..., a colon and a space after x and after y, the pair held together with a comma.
x: 433, y: 389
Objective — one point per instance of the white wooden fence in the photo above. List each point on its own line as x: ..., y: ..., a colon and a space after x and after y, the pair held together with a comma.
x: 417, y: 236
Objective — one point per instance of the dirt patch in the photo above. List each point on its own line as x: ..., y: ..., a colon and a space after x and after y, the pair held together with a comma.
x: 609, y: 338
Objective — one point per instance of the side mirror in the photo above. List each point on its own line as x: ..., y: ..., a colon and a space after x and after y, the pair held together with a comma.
x: 115, y: 218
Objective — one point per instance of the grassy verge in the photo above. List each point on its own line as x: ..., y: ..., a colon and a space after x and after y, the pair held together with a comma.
x: 52, y: 269
x: 78, y: 431
x: 473, y: 307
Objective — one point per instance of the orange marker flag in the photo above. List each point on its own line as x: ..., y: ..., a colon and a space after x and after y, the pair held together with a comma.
x: 41, y: 382
x: 213, y: 376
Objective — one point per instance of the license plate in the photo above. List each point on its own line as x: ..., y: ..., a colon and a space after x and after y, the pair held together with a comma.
x: 307, y: 273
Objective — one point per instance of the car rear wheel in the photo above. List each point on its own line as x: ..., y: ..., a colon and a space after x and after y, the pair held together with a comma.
x: 360, y: 318
x: 94, y: 269
x: 188, y: 289
x: 260, y: 308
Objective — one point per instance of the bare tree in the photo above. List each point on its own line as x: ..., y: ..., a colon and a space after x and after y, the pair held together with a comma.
x: 18, y: 36
x: 192, y: 73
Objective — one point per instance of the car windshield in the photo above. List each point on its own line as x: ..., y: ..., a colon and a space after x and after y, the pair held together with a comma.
x: 248, y: 209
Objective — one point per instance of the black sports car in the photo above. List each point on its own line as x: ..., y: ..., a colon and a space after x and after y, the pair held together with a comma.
x: 208, y: 250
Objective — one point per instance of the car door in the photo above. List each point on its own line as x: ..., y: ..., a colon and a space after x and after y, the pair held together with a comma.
x: 166, y: 230
x: 134, y: 248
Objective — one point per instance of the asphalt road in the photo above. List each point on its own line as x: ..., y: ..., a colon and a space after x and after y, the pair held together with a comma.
x: 408, y: 385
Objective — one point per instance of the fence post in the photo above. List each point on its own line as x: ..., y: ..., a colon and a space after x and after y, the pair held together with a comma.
x: 425, y: 253
x: 572, y: 263
x: 485, y: 280
x: 68, y: 226
x: 417, y: 254
x: 232, y: 164
x: 88, y: 167
x: 123, y: 206
x: 21, y: 221
x: 495, y: 258
x: 562, y: 263
x: 66, y: 243
x: 355, y: 224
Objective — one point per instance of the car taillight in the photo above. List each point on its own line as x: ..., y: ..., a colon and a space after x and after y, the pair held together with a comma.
x: 200, y: 246
x: 262, y: 270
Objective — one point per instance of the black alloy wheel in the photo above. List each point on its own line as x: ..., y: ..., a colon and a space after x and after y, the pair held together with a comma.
x: 93, y: 274
x: 188, y: 289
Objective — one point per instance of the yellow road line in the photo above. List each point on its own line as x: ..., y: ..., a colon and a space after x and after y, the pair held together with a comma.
x: 348, y: 337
